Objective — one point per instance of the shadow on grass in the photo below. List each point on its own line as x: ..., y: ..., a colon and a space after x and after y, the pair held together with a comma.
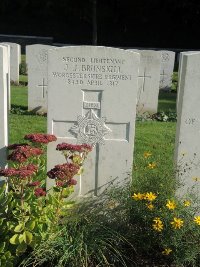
x: 23, y: 110
x: 167, y: 101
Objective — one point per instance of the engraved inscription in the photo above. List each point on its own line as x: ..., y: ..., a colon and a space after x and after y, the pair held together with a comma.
x: 91, y: 105
x: 165, y: 56
x: 92, y: 71
x: 191, y: 121
x: 163, y: 75
x: 146, y: 58
x: 42, y: 56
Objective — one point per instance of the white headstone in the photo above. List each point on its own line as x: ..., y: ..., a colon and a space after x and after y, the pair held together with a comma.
x: 166, y: 70
x: 15, y: 60
x: 3, y: 106
x: 179, y: 73
x: 8, y: 74
x: 92, y: 99
x: 36, y: 58
x: 187, y: 153
x: 148, y: 81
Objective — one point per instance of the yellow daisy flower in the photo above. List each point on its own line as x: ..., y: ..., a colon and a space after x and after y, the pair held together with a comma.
x: 147, y: 154
x: 158, y: 224
x: 177, y: 223
x: 150, y: 206
x: 166, y: 251
x: 197, y: 220
x: 171, y: 205
x: 150, y: 196
x: 138, y: 196
x: 187, y: 203
x: 151, y: 165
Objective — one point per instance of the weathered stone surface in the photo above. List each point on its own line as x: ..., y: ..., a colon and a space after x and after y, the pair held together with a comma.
x: 148, y: 81
x: 37, y: 58
x: 166, y: 70
x: 15, y: 60
x: 3, y: 106
x: 92, y: 99
x: 187, y: 152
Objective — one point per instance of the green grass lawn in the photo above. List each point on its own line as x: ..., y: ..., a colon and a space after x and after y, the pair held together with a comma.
x: 19, y: 96
x: 23, y: 58
x: 23, y: 78
x: 167, y: 102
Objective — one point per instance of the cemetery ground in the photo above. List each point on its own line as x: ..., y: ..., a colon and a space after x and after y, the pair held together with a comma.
x: 145, y: 225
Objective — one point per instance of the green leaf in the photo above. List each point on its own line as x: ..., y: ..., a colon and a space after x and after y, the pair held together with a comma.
x: 1, y: 221
x: 14, y: 239
x: 2, y: 246
x: 2, y: 189
x: 56, y: 189
x: 19, y: 228
x: 66, y: 192
x: 30, y: 225
x: 21, y: 249
x: 21, y: 238
x: 9, y: 198
x: 27, y: 196
x: 26, y: 218
x: 28, y: 237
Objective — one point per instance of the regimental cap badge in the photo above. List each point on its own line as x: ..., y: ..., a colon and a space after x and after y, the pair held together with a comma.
x: 90, y: 129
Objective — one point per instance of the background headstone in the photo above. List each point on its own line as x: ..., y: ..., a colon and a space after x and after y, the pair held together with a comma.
x: 24, y: 40
x: 148, y: 81
x: 37, y: 58
x: 3, y: 106
x: 92, y: 95
x: 8, y: 74
x: 166, y: 70
x: 15, y: 60
x: 187, y: 152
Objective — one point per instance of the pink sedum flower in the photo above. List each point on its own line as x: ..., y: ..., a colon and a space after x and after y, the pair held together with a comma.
x: 73, y: 148
x: 22, y: 153
x: 35, y: 183
x: 39, y: 192
x: 23, y: 172
x: 40, y: 138
x: 64, y: 171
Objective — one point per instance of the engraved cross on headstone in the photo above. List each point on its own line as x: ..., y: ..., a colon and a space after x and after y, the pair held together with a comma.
x: 91, y: 128
x: 43, y: 85
x: 144, y: 76
x: 163, y: 74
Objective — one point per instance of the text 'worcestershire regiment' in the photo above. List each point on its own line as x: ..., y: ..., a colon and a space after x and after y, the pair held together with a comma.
x: 92, y: 71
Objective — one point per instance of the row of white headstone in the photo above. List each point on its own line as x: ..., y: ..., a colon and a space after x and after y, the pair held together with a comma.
x: 155, y: 72
x: 92, y: 97
x: 14, y: 55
